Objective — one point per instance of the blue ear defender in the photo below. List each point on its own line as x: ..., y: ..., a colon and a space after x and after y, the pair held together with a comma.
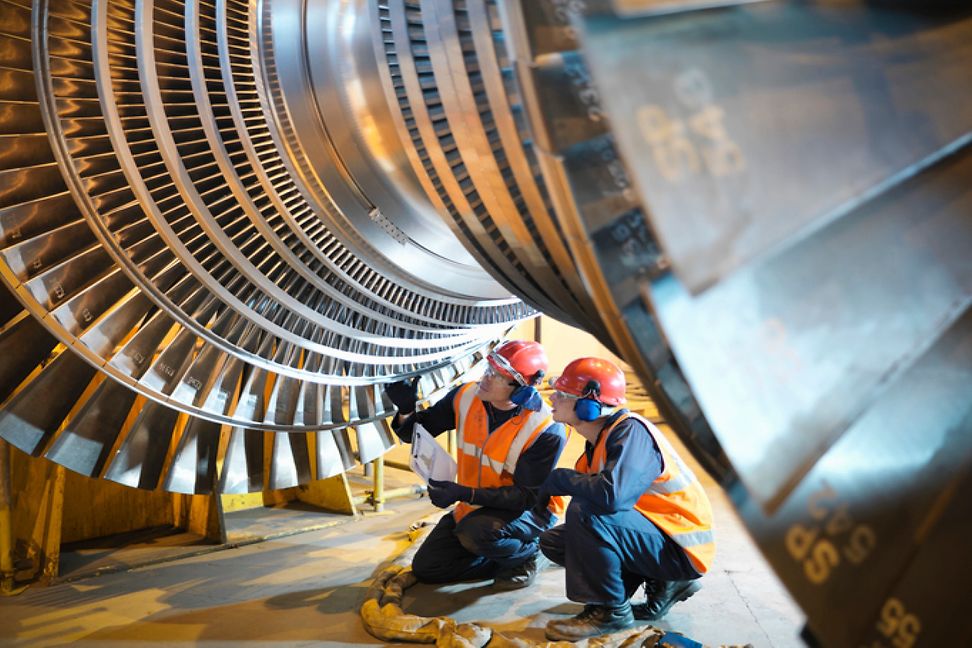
x: 527, y: 396
x: 589, y: 408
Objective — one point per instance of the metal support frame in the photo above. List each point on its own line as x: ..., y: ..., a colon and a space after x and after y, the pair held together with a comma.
x: 384, y: 495
x: 376, y: 469
x: 7, y: 582
x: 452, y: 444
x: 379, y: 492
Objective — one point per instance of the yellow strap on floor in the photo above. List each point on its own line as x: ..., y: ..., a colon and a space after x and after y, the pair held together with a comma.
x: 384, y: 618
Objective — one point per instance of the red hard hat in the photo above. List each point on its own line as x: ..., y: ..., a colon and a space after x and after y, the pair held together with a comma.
x: 519, y: 360
x: 593, y: 377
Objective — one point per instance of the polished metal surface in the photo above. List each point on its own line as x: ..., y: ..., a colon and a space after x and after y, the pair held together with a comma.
x: 803, y: 246
x: 162, y: 254
x: 224, y: 225
x: 730, y: 96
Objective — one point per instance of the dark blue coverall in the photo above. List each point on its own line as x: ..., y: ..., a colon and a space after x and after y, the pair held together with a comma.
x: 502, y: 533
x: 608, y: 548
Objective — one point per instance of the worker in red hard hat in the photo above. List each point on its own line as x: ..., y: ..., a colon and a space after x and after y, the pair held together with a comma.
x: 507, y: 445
x: 637, y: 514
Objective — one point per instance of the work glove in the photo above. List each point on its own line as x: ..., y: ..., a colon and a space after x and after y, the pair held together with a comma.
x: 446, y: 493
x: 403, y: 394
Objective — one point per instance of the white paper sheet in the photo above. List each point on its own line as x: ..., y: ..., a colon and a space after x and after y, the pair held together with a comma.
x: 429, y: 460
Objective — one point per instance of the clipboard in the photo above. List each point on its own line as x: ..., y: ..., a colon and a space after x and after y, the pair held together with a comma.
x: 428, y: 459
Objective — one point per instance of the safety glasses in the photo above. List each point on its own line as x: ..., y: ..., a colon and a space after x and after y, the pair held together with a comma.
x: 491, y: 374
x: 505, y: 365
x: 552, y: 383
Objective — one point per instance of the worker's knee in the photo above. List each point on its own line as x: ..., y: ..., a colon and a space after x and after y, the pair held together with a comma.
x: 578, y: 514
x: 552, y: 545
x: 479, y: 534
x: 429, y: 568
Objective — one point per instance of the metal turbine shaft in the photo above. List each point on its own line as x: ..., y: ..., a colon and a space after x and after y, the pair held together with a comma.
x: 174, y: 246
x: 223, y: 225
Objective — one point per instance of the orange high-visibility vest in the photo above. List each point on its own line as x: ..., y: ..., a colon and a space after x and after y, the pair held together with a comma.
x: 675, y: 502
x: 489, y: 460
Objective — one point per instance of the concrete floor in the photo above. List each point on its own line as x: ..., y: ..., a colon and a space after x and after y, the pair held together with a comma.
x: 304, y: 589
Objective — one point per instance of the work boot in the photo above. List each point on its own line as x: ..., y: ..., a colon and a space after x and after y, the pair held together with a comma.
x: 661, y: 596
x: 640, y: 610
x: 595, y: 620
x: 523, y: 574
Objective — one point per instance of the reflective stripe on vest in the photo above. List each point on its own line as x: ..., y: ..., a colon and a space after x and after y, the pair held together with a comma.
x: 675, y: 502
x: 677, y: 480
x: 693, y: 538
x: 487, y: 459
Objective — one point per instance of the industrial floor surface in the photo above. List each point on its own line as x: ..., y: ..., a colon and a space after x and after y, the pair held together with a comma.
x: 303, y: 589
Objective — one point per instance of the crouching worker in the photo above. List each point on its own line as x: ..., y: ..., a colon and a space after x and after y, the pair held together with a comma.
x: 507, y: 446
x: 637, y: 514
